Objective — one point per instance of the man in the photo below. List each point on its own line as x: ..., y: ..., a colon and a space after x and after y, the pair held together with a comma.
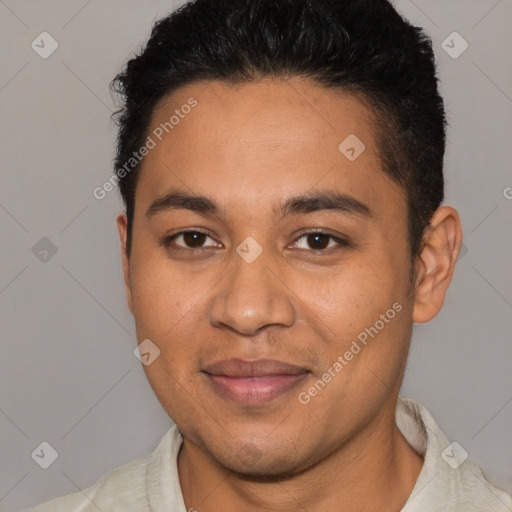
x: 281, y: 167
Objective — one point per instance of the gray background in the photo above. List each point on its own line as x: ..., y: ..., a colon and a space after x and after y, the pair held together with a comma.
x: 68, y: 375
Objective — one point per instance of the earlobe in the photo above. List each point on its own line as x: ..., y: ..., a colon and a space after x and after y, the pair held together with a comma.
x: 122, y: 227
x: 435, y: 264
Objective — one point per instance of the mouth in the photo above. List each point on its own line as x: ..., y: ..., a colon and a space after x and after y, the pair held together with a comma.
x: 253, y: 382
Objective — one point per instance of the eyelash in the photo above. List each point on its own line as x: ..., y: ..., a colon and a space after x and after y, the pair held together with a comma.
x: 167, y: 241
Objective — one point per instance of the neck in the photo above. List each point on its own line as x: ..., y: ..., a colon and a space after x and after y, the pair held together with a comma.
x: 377, y: 469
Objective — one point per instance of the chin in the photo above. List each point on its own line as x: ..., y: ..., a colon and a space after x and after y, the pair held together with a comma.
x: 262, y: 475
x: 254, y: 464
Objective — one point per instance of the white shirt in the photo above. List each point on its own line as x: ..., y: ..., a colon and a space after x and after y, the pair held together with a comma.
x: 447, y: 482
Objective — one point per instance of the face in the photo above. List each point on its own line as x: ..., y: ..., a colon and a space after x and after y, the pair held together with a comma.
x: 271, y: 268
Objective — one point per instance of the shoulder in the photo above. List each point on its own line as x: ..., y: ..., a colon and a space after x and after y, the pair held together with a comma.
x: 473, y: 489
x: 123, y: 489
x: 123, y: 486
x: 449, y: 481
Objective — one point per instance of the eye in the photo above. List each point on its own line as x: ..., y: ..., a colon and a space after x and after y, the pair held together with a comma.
x: 193, y: 239
x: 196, y: 239
x: 319, y: 241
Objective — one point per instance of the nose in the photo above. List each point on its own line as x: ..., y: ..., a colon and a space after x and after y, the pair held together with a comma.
x: 252, y: 297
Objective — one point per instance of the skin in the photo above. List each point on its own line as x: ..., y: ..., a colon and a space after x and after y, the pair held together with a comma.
x: 250, y: 147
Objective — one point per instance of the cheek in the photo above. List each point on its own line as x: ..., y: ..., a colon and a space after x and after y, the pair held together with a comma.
x: 161, y: 295
x: 351, y: 295
x: 365, y: 303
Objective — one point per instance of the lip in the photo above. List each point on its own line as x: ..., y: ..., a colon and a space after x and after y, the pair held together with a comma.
x: 253, y: 382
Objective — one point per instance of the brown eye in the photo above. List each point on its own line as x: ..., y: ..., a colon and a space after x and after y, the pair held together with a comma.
x: 194, y: 238
x: 319, y: 242
x: 189, y: 240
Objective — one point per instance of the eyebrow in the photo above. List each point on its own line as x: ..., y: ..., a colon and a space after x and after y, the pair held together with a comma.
x: 302, y: 204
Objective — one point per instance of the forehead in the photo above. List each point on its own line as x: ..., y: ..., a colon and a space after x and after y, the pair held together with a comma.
x: 264, y: 139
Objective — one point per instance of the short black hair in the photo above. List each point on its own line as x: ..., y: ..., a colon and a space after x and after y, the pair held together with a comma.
x: 363, y: 47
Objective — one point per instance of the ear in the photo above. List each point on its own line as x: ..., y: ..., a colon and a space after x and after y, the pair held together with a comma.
x: 122, y: 227
x: 435, y: 264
